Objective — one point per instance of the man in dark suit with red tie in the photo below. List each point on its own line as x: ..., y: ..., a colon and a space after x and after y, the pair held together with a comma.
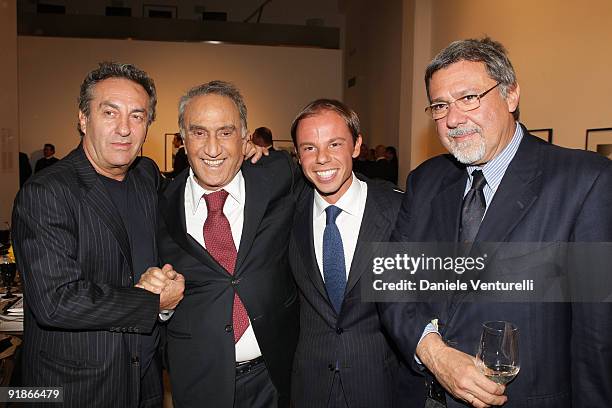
x: 225, y: 225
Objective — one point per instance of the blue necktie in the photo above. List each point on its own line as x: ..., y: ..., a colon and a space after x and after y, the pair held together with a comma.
x: 334, y: 270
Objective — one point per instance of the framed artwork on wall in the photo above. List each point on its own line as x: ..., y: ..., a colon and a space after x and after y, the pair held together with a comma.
x: 158, y: 11
x: 599, y: 140
x: 544, y: 134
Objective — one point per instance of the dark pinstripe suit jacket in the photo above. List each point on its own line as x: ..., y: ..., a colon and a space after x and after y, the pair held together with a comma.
x: 83, y: 316
x: 369, y: 368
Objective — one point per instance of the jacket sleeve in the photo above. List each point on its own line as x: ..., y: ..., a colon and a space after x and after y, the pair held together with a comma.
x: 46, y: 227
x: 405, y: 321
x: 591, y: 358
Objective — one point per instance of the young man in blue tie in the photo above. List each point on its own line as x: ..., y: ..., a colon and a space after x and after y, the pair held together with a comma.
x: 343, y: 357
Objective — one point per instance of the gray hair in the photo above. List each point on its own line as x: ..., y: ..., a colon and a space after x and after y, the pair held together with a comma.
x: 107, y: 70
x: 220, y: 88
x: 491, y: 53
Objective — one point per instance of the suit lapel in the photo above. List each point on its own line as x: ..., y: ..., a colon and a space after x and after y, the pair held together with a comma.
x: 97, y: 198
x: 446, y: 211
x: 514, y: 197
x: 517, y: 192
x: 375, y: 225
x: 257, y: 196
x: 172, y: 208
x: 303, y: 236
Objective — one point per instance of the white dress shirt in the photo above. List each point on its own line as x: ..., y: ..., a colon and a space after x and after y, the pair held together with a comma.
x: 352, y: 204
x: 196, y: 211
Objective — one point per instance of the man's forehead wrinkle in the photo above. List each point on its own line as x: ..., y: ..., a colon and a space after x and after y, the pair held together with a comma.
x: 114, y: 105
x: 212, y: 128
x: 108, y: 103
x: 318, y: 134
x: 460, y: 74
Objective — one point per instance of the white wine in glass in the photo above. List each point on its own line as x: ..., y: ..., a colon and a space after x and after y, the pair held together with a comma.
x: 498, y: 352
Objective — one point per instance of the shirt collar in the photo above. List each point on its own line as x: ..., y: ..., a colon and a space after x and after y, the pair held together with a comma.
x: 348, y: 203
x: 234, y: 188
x: 495, y: 169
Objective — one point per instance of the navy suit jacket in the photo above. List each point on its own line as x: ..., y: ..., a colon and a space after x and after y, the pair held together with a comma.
x: 548, y: 194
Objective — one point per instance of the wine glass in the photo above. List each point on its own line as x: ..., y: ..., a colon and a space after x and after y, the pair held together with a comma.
x: 8, y: 270
x: 498, y: 351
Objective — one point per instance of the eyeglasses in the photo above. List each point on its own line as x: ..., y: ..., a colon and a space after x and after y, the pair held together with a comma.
x: 466, y: 103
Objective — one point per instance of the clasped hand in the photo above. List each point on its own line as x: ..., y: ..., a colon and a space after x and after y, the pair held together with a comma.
x: 165, y: 282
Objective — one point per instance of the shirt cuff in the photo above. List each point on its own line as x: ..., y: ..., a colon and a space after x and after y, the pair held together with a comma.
x: 430, y: 328
x: 165, y: 315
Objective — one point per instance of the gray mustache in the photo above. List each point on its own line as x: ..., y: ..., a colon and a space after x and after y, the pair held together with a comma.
x: 462, y: 131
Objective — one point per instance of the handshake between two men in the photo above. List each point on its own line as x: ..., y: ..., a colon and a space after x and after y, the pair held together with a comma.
x: 165, y: 282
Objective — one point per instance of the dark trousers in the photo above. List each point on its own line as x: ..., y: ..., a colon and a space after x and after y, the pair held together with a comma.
x: 337, y: 398
x: 151, y: 385
x: 254, y: 389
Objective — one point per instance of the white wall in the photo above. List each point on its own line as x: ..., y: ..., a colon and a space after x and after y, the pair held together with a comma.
x: 560, y: 50
x: 373, y: 55
x: 276, y: 83
x: 9, y: 136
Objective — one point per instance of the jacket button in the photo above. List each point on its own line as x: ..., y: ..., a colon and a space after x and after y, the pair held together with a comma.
x: 235, y: 281
x: 339, y: 330
x: 135, y: 360
x: 229, y: 328
x: 331, y: 367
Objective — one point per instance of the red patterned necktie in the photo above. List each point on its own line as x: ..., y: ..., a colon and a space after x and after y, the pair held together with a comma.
x: 220, y: 245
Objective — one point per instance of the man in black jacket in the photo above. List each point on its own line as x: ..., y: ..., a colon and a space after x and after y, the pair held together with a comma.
x: 224, y: 225
x: 48, y: 158
x: 84, y: 233
x: 343, y: 356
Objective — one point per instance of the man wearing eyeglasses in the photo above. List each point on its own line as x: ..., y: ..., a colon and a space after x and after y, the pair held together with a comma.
x: 501, y: 184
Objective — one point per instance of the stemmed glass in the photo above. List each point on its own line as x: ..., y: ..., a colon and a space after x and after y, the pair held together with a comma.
x: 498, y: 351
x: 8, y: 270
